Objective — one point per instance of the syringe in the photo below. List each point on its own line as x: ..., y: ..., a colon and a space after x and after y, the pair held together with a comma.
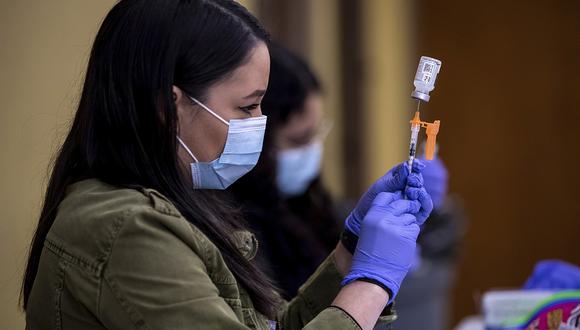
x: 424, y: 83
x: 415, y: 128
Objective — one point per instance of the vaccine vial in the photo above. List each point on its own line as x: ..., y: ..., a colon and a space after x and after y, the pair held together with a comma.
x: 425, y: 78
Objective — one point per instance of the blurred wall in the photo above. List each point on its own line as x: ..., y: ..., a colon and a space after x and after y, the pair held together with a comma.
x: 387, y: 66
x: 325, y: 57
x: 44, y: 46
x: 508, y: 99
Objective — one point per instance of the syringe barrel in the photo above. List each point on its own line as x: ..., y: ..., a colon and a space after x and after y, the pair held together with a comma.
x: 425, y: 78
x: 413, y: 144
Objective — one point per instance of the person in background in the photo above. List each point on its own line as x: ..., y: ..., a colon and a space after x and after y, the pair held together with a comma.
x: 283, y: 197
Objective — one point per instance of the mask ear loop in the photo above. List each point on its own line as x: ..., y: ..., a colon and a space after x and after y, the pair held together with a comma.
x: 210, y: 111
x: 187, y: 149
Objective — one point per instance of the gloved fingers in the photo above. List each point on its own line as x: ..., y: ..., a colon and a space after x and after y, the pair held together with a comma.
x: 421, y: 195
x: 415, y: 193
x: 395, y: 179
x: 418, y: 165
x: 398, y: 194
x: 401, y: 173
x: 412, y: 230
x: 415, y: 180
x: 407, y: 219
x: 403, y: 206
x: 386, y: 198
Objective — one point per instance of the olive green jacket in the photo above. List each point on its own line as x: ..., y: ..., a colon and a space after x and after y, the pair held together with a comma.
x: 120, y: 258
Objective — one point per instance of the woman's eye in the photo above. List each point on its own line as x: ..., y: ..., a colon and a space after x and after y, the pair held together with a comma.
x: 249, y: 108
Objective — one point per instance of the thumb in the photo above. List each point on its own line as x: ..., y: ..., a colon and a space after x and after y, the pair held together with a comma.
x: 402, y: 206
x: 386, y: 198
x: 395, y: 179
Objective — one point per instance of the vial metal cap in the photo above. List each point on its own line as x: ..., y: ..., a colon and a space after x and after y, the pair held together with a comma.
x: 420, y: 96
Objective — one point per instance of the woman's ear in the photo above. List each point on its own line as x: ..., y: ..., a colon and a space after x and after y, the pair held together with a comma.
x: 182, y: 105
x: 178, y: 96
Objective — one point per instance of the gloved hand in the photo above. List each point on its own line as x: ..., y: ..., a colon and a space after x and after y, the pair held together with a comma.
x: 386, y: 246
x: 554, y: 274
x: 394, y: 180
x: 417, y: 192
x: 436, y: 180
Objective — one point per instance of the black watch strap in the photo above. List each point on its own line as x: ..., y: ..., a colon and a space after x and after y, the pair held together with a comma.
x: 349, y: 240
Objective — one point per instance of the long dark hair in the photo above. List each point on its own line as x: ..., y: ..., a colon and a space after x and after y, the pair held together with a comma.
x: 295, y: 233
x: 124, y: 131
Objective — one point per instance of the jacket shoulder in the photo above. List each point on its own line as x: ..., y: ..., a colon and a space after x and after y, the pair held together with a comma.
x: 91, y: 215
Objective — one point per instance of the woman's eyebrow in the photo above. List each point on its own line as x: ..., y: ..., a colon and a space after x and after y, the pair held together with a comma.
x: 256, y: 93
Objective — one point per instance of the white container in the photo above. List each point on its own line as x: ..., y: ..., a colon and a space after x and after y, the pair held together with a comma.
x: 425, y: 78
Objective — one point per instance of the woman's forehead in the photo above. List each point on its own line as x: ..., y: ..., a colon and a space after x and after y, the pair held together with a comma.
x: 252, y: 75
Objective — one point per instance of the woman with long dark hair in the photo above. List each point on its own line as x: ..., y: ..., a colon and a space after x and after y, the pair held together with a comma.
x: 133, y: 233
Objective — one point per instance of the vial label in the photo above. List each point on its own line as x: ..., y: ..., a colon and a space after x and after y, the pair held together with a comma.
x: 426, y: 72
x: 428, y: 68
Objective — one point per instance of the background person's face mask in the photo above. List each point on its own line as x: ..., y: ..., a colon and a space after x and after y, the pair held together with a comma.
x: 240, y: 155
x: 297, y: 168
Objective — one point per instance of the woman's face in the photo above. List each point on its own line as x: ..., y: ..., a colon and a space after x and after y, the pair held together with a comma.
x: 302, y: 126
x: 237, y: 96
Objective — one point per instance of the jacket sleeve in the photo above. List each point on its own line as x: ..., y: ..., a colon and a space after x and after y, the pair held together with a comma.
x: 311, y: 308
x: 154, y: 280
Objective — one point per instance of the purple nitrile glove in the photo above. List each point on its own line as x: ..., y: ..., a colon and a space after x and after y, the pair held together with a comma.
x: 554, y: 274
x: 387, y: 241
x: 436, y: 179
x: 394, y: 180
x: 416, y: 191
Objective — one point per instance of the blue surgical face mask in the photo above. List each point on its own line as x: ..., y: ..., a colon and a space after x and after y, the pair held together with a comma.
x: 240, y: 155
x: 297, y: 168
